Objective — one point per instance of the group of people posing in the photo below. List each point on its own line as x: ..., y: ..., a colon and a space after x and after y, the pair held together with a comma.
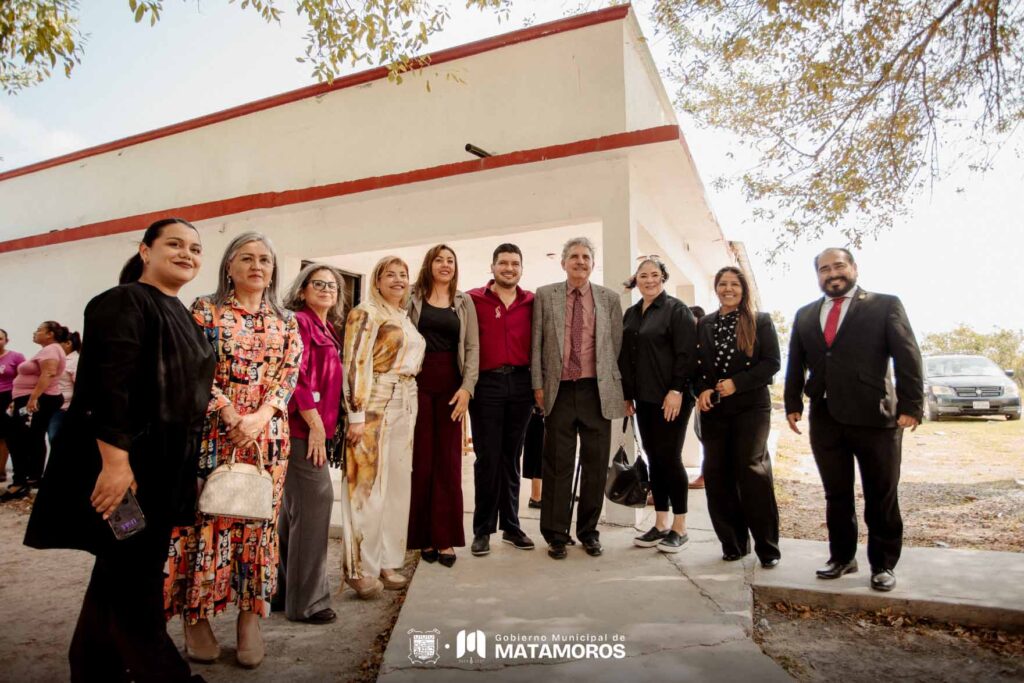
x: 165, y: 395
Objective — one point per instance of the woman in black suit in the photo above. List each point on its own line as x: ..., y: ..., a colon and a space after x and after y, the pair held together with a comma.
x: 738, y: 354
x: 134, y: 423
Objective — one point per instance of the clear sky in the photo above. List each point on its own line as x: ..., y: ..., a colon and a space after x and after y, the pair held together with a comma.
x: 956, y: 258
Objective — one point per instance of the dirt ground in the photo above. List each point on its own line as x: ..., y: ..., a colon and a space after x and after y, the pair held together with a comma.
x: 824, y: 645
x: 961, y: 486
x: 41, y: 593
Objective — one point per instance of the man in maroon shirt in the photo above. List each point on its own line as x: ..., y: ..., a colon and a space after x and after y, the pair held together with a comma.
x: 502, y: 401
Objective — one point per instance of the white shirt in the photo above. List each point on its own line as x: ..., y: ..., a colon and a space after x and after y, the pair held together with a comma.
x: 827, y: 305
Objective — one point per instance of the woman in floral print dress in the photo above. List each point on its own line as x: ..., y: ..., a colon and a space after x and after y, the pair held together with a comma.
x: 259, y: 350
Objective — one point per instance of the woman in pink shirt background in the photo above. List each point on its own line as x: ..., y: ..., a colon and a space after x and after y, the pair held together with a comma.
x: 66, y: 382
x: 9, y: 362
x: 36, y: 397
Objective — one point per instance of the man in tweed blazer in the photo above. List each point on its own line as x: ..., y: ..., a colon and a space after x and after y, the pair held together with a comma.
x: 577, y: 334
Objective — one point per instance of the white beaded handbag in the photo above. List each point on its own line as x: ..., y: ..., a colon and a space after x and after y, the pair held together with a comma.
x: 238, y: 489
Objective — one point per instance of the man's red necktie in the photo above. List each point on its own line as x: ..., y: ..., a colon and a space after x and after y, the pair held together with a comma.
x: 832, y: 321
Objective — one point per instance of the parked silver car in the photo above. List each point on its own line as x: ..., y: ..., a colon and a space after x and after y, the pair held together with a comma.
x: 968, y: 385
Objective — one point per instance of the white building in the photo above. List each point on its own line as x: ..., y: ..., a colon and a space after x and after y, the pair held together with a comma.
x: 584, y: 142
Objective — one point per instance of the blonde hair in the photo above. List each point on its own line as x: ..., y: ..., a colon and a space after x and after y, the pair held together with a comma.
x: 378, y: 270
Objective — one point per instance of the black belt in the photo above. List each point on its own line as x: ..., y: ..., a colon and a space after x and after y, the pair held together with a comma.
x: 508, y: 369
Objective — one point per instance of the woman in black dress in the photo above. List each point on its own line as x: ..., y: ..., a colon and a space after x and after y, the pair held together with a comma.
x: 143, y: 386
x: 738, y: 355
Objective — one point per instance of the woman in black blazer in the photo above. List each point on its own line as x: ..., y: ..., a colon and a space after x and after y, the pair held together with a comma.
x: 738, y: 355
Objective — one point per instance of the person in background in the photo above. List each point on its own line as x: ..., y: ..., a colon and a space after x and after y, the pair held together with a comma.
x: 657, y: 361
x: 698, y: 483
x: 217, y: 560
x: 36, y: 398
x: 9, y: 362
x: 134, y: 424
x: 447, y: 320
x: 383, y: 354
x: 533, y: 451
x: 72, y: 345
x: 305, y: 521
x: 503, y: 402
x: 738, y: 355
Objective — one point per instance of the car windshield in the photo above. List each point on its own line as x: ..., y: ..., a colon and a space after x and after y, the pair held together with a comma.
x: 962, y: 367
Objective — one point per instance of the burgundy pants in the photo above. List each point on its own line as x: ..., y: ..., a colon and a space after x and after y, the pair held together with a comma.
x: 435, y: 511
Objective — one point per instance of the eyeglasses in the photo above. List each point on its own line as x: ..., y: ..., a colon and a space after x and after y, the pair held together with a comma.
x: 321, y: 285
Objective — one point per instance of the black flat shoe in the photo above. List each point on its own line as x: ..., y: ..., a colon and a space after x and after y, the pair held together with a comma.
x: 833, y: 570
x: 770, y: 564
x: 732, y: 557
x: 428, y: 555
x: 21, y: 492
x: 520, y: 541
x: 447, y: 559
x: 592, y: 546
x: 535, y: 504
x: 653, y: 537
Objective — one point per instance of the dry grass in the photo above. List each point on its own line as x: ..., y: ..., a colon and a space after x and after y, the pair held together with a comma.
x: 962, y: 485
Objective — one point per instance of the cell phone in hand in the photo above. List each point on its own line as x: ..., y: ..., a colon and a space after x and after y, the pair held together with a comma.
x: 127, y: 520
x: 716, y: 398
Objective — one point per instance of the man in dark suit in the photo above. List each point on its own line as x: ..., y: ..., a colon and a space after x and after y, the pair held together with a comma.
x: 839, y: 355
x: 577, y: 336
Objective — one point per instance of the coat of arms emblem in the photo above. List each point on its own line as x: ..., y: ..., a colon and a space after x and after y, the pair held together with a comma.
x: 424, y: 646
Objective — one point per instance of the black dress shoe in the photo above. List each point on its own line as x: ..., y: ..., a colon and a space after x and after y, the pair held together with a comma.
x: 428, y: 555
x: 447, y: 559
x: 592, y: 546
x: 833, y: 570
x: 556, y: 551
x: 535, y: 504
x: 324, y: 616
x: 770, y: 563
x: 732, y: 557
x: 882, y: 579
x: 481, y: 545
x: 520, y: 540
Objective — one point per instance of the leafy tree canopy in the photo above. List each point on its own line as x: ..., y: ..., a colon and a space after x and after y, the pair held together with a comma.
x: 38, y: 36
x: 846, y: 102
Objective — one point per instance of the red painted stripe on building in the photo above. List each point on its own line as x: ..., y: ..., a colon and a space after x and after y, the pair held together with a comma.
x: 269, y: 200
x: 433, y: 59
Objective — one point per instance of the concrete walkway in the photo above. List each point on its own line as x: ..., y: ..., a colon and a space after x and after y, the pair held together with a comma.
x: 683, y: 617
x: 677, y: 617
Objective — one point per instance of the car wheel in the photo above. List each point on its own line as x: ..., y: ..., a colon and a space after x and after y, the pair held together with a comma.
x: 1013, y: 417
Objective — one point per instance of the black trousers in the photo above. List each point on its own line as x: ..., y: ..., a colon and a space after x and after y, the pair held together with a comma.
x: 27, y: 442
x: 663, y: 444
x: 878, y: 451
x: 121, y: 633
x: 533, y: 446
x: 499, y: 413
x: 738, y: 482
x: 576, y: 413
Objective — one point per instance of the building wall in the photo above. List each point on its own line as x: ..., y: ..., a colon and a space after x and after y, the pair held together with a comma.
x: 560, y: 88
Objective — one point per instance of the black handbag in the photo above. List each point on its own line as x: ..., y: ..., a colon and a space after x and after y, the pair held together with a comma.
x: 628, y: 484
